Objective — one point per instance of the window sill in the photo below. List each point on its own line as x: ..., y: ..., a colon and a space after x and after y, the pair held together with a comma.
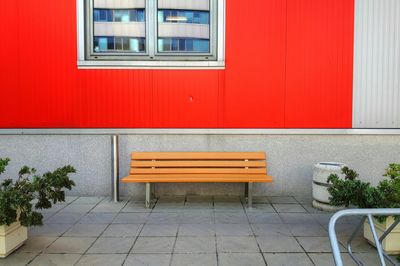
x: 151, y: 64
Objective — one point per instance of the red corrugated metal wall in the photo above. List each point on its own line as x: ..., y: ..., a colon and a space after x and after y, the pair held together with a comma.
x: 288, y: 65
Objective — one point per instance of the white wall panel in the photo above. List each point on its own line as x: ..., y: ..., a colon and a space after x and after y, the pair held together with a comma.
x: 114, y: 4
x: 121, y: 29
x: 376, y: 93
x: 184, y: 30
x: 184, y: 4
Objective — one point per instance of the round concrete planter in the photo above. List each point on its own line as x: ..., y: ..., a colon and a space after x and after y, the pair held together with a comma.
x: 320, y: 184
x: 11, y: 238
x: 391, y: 244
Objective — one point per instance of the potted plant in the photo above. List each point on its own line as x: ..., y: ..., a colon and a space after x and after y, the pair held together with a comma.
x: 320, y: 184
x: 352, y: 191
x: 20, y: 200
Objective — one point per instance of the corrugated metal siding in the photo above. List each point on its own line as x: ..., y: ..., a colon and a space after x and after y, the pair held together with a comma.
x: 319, y: 63
x: 376, y: 98
x: 268, y: 82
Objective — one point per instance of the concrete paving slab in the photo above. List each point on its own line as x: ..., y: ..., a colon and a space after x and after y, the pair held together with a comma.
x: 111, y: 245
x: 148, y: 260
x: 238, y: 244
x: 194, y: 260
x: 283, y: 244
x: 197, y: 244
x: 55, y: 259
x: 70, y: 245
x: 101, y: 260
x: 154, y: 245
x: 287, y: 259
x: 90, y: 230
x: 122, y: 230
x: 241, y: 259
x: 159, y: 230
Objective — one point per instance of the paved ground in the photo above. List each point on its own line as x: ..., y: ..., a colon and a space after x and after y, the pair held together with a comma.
x: 185, y: 231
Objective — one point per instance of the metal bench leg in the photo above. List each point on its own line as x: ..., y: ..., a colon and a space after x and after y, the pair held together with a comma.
x: 114, y: 167
x: 147, y: 203
x: 153, y: 191
x: 250, y: 195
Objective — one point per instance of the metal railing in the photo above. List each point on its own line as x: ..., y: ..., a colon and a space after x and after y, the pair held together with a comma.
x: 367, y: 214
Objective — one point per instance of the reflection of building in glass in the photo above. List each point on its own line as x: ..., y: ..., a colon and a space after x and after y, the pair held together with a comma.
x: 183, y: 26
x: 119, y: 26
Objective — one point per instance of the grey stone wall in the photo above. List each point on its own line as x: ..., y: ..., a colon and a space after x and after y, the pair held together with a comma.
x: 290, y: 158
x: 90, y: 155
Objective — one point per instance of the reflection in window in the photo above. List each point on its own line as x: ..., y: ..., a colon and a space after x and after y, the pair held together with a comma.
x: 184, y: 16
x: 103, y: 15
x: 152, y: 30
x: 118, y: 15
x: 119, y: 44
x: 183, y: 45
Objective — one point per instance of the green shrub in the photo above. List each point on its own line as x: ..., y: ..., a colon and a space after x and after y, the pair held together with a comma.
x: 16, y: 198
x: 352, y: 191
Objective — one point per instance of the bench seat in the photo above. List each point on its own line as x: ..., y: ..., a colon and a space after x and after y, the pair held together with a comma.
x: 197, y: 178
x: 198, y: 167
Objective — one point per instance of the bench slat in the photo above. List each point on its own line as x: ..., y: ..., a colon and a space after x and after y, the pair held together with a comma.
x: 198, y: 163
x: 197, y: 155
x: 198, y: 171
x: 198, y: 178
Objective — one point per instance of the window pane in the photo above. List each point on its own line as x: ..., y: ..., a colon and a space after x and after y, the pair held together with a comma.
x: 103, y: 44
x: 189, y: 16
x: 110, y: 41
x: 161, y: 45
x: 167, y: 45
x: 134, y: 45
x: 96, y: 15
x: 126, y: 18
x: 125, y: 44
x: 119, y: 28
x: 183, y: 45
x: 125, y: 15
x: 174, y: 44
x: 204, y: 18
x: 177, y: 32
x: 118, y: 44
x: 132, y: 15
x: 181, y: 16
x: 110, y: 15
x: 96, y: 44
x: 196, y: 17
x: 200, y: 45
x: 189, y: 45
x: 140, y: 15
x: 117, y: 15
x: 103, y: 15
x: 142, y: 45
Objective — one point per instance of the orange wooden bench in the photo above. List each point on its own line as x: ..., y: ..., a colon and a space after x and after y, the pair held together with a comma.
x: 184, y: 167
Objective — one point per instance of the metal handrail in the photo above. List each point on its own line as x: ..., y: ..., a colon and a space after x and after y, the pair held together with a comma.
x: 368, y: 214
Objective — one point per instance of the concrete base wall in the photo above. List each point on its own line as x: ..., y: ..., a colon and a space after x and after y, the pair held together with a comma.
x: 290, y: 158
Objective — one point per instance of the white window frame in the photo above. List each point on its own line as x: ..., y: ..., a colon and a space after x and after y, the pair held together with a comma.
x: 84, y: 63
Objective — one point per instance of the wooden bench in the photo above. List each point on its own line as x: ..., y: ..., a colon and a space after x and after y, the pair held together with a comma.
x: 184, y: 167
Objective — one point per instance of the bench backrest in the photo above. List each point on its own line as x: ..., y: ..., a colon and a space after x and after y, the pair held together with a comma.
x: 198, y: 163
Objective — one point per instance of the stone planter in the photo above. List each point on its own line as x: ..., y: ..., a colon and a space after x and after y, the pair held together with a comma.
x: 391, y: 244
x: 320, y: 184
x: 11, y: 238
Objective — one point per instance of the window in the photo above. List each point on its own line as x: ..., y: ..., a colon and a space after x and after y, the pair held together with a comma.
x: 166, y: 33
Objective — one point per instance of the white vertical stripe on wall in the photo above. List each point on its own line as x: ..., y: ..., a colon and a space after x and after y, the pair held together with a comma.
x: 376, y: 85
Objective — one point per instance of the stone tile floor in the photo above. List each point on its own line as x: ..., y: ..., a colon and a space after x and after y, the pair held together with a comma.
x: 188, y: 230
